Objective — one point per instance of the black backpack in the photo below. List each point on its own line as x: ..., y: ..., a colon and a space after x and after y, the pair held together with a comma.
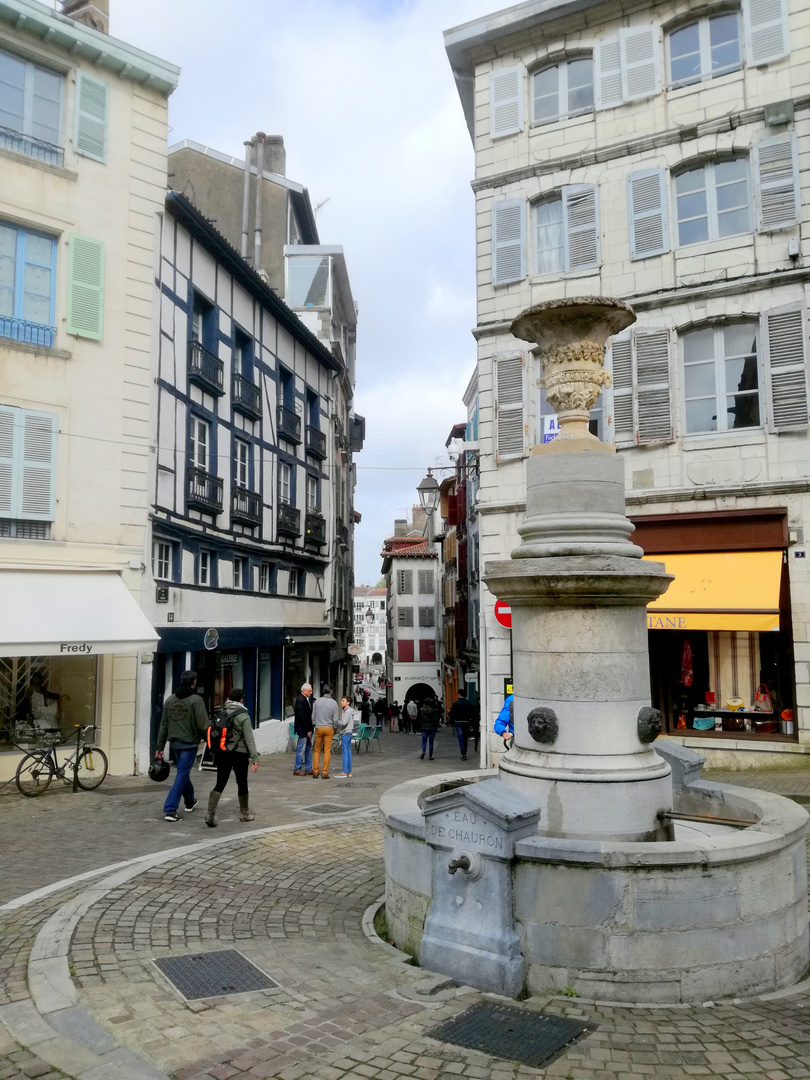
x: 220, y: 734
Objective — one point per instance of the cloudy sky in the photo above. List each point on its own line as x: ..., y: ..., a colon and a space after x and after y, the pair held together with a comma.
x: 362, y: 92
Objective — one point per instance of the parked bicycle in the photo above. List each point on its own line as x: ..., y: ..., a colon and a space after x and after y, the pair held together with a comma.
x: 85, y: 766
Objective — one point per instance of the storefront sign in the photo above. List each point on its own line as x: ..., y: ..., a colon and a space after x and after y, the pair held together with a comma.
x: 551, y: 428
x: 211, y: 639
x: 70, y: 647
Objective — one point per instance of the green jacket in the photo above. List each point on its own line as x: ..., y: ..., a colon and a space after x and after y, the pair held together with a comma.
x: 184, y: 721
x: 243, y: 741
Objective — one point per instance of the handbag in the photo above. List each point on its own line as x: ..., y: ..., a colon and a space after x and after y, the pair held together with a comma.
x: 762, y: 699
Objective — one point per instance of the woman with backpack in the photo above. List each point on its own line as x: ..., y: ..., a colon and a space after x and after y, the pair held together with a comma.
x: 239, y: 751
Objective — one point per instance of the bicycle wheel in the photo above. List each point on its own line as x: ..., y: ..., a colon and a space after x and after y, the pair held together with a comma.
x: 92, y: 768
x: 34, y: 773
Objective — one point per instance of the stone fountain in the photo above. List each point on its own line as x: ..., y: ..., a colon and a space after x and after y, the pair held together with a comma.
x: 596, y: 858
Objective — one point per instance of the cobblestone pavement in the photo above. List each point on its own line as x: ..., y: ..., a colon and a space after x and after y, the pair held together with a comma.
x: 292, y: 900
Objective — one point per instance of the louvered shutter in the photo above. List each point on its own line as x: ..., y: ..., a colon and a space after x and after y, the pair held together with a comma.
x: 37, y: 494
x: 653, y: 407
x: 607, y: 74
x: 784, y: 333
x: 510, y: 423
x: 641, y: 77
x: 621, y: 363
x: 85, y: 306
x: 92, y: 115
x: 8, y: 471
x: 508, y: 241
x: 777, y: 178
x: 581, y: 225
x: 766, y: 31
x: 505, y: 102
x: 647, y: 211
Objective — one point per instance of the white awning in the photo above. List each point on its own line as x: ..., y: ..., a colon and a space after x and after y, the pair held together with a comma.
x: 70, y: 613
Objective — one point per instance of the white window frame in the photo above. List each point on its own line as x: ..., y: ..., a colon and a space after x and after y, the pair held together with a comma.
x: 241, y: 455
x: 205, y: 566
x: 285, y: 483
x: 28, y: 100
x: 162, y: 560
x: 293, y: 581
x: 265, y: 577
x: 562, y: 90
x: 712, y: 212
x: 720, y: 392
x: 240, y: 568
x: 313, y: 493
x: 704, y: 45
x: 200, y: 442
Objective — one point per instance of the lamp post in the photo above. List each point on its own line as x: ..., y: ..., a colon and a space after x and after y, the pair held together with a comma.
x: 429, y: 496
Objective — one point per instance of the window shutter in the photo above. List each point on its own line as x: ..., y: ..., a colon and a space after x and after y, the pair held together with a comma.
x: 581, y: 227
x: 405, y: 581
x: 405, y: 651
x: 427, y: 651
x: 85, y: 306
x: 505, y: 102
x: 777, y: 173
x: 766, y: 31
x: 647, y: 211
x: 607, y: 74
x: 508, y: 241
x: 784, y: 334
x: 621, y: 362
x: 8, y: 473
x: 92, y: 112
x: 509, y: 407
x: 652, y: 375
x: 425, y: 581
x: 37, y: 496
x: 641, y: 77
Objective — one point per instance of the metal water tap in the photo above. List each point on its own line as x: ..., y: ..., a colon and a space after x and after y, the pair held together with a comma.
x: 461, y: 863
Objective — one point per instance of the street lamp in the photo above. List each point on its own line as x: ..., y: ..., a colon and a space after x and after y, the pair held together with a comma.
x: 429, y: 494
x: 369, y: 616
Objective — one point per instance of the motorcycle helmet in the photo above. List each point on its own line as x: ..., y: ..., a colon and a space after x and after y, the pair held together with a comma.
x: 159, y: 770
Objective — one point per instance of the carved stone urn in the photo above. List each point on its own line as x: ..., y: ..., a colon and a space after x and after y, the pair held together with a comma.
x: 570, y: 336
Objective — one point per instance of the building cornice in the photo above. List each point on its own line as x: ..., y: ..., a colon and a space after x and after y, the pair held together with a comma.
x: 60, y: 32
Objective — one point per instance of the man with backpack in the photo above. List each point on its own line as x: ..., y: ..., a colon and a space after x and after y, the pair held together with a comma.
x: 183, y: 724
x: 230, y: 736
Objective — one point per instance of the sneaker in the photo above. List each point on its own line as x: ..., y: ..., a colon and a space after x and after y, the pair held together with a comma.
x: 190, y: 808
x: 171, y: 817
x: 344, y: 774
x: 422, y: 755
x: 430, y: 758
x: 463, y: 757
x: 325, y: 776
x: 298, y: 772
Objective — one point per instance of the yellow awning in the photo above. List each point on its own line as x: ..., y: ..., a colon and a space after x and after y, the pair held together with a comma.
x: 719, y: 590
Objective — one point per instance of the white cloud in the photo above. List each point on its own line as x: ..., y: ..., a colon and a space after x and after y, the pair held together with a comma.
x: 363, y: 94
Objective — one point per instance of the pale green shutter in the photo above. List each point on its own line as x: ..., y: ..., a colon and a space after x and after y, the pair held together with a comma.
x: 85, y: 304
x: 37, y: 490
x: 92, y: 115
x: 8, y: 472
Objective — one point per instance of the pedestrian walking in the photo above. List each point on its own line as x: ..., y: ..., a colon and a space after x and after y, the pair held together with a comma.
x: 302, y: 725
x: 461, y: 717
x: 412, y: 713
x: 429, y: 718
x: 345, y: 729
x: 393, y: 712
x: 183, y: 724
x: 239, y: 753
x: 365, y: 708
x: 325, y: 717
x: 379, y: 709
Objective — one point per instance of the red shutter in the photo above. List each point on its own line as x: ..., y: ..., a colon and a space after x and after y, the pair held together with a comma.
x: 405, y: 651
x: 427, y: 651
x: 452, y: 510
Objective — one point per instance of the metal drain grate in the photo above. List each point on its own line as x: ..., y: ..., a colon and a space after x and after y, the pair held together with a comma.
x: 515, y: 1034
x: 327, y: 808
x: 214, y: 974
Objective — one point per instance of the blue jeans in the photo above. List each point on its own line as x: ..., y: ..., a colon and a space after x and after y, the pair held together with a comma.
x: 462, y: 734
x: 183, y: 760
x: 304, y: 742
x: 428, y: 736
x: 346, y: 747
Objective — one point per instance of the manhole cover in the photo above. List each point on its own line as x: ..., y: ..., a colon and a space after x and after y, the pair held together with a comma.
x: 327, y: 808
x: 214, y: 974
x: 515, y: 1034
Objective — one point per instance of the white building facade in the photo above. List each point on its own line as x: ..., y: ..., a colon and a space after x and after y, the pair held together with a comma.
x: 370, y: 629
x: 661, y: 154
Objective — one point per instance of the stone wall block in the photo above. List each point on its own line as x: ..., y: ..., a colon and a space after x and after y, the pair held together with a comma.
x: 585, y: 629
x: 580, y: 946
x: 685, y: 900
x: 575, y: 898
x: 707, y: 983
x: 697, y: 948
x: 765, y: 885
x: 602, y: 676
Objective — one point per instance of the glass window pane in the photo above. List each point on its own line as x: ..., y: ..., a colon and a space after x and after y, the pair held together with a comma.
x: 37, y: 295
x: 693, y: 180
x: 693, y: 231
x: 731, y: 196
x: 742, y: 411
x: 12, y: 91
x: 700, y: 416
x: 734, y: 222
x: 728, y: 171
x: 699, y: 380
x: 741, y: 374
x: 47, y: 100
x: 546, y: 93
x: 740, y: 339
x: 549, y: 236
x: 38, y: 249
x: 580, y: 85
x: 684, y: 54
x: 308, y: 280
x: 724, y: 39
x: 698, y: 345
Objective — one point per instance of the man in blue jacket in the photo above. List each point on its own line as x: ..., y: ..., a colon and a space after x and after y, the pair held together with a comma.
x: 505, y: 722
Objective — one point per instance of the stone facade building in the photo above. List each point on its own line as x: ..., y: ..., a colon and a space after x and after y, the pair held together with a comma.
x: 660, y: 153
x: 370, y: 623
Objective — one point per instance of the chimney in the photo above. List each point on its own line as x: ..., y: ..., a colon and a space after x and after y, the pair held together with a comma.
x: 275, y: 156
x: 400, y: 527
x: 95, y: 13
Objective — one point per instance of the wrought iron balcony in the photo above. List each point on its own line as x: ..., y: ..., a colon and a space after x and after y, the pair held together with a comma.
x: 289, y: 520
x: 342, y: 620
x: 203, y: 490
x: 204, y: 369
x: 31, y: 147
x: 314, y: 529
x: 316, y: 442
x: 289, y: 425
x: 29, y: 332
x: 246, y: 506
x: 246, y: 397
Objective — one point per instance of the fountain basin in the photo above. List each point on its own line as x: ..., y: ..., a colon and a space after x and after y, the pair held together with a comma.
x: 719, y: 912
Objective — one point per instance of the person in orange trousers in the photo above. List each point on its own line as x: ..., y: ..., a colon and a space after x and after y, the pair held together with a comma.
x: 325, y: 719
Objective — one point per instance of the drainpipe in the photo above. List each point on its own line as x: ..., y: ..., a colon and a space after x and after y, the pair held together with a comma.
x: 483, y: 689
x: 246, y: 197
x: 259, y: 174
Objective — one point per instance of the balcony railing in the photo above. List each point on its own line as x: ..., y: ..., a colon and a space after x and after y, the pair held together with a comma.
x: 205, y: 369
x: 33, y: 148
x: 203, y: 490
x: 289, y: 425
x: 246, y: 397
x: 29, y: 332
x: 246, y: 506
x: 316, y: 442
x: 342, y: 620
x: 315, y: 529
x: 342, y: 533
x: 289, y: 520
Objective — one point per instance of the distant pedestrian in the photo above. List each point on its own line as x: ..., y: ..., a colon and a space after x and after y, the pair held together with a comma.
x: 393, y: 713
x: 325, y: 717
x: 344, y: 730
x: 303, y: 728
x: 365, y: 708
x: 412, y: 713
x: 461, y: 717
x: 183, y: 724
x: 235, y: 758
x: 379, y: 709
x: 429, y: 719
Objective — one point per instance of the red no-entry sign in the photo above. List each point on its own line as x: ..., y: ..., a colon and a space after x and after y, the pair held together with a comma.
x: 503, y: 614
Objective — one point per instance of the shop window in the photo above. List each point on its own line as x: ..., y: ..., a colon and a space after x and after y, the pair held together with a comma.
x: 265, y: 707
x: 721, y: 378
x: 38, y: 692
